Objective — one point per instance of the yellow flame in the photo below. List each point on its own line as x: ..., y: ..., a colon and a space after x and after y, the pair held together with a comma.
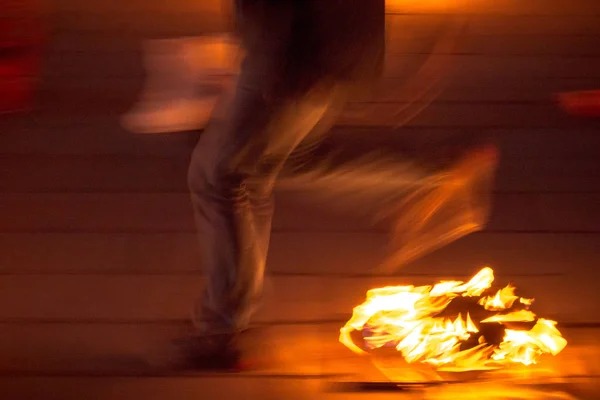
x: 475, y: 287
x: 526, y: 346
x: 517, y: 316
x: 527, y: 302
x: 503, y: 299
x: 406, y: 318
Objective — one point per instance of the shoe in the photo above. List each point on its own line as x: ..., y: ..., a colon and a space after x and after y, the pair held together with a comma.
x: 185, y: 79
x: 179, y: 115
x: 210, y: 353
x: 457, y: 203
x: 479, y: 161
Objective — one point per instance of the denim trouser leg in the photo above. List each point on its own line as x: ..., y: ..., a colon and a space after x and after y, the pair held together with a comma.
x: 231, y: 178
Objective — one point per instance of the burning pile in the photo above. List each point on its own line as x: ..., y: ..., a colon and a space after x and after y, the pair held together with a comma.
x: 412, y: 320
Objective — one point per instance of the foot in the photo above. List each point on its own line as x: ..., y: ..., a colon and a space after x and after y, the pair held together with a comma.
x: 185, y: 79
x: 479, y: 161
x: 455, y: 205
x: 178, y: 115
x: 469, y: 183
x: 210, y: 353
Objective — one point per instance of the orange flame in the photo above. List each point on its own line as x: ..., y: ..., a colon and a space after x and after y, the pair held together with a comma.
x: 406, y: 317
x: 517, y: 316
x: 501, y: 301
x: 526, y: 346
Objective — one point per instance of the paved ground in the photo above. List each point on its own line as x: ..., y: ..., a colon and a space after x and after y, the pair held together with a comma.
x: 98, y: 264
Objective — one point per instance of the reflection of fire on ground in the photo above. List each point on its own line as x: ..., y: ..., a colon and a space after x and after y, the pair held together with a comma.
x: 498, y: 391
x: 453, y: 327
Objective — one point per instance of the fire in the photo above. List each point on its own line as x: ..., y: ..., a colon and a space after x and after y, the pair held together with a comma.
x: 504, y: 299
x: 408, y: 319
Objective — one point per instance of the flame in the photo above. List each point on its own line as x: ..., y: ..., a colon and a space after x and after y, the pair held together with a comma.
x: 407, y: 318
x: 525, y: 301
x: 501, y: 301
x: 517, y: 316
x: 526, y: 346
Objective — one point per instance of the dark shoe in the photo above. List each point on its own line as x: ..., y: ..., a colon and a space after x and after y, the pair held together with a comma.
x: 210, y: 353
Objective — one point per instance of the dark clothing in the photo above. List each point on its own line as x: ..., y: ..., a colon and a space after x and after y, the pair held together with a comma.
x: 298, y: 54
x: 305, y: 42
x: 301, y: 57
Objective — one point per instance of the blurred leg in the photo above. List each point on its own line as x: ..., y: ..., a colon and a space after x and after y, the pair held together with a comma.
x: 426, y: 204
x: 231, y: 179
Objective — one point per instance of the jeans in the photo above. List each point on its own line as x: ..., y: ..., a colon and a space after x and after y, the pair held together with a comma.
x: 231, y: 179
x: 240, y: 156
x: 232, y: 176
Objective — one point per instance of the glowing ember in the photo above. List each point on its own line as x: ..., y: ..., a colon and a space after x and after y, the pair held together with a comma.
x: 408, y: 318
